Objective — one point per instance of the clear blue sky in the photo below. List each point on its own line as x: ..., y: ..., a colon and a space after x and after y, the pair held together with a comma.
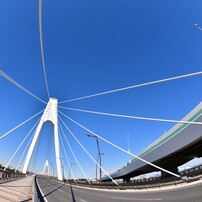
x: 95, y: 46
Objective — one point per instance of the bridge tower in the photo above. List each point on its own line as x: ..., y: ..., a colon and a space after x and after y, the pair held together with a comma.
x: 50, y: 114
x: 46, y: 169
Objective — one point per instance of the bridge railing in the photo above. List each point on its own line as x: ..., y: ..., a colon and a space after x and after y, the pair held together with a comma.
x: 157, y: 182
x: 37, y: 194
x: 9, y: 174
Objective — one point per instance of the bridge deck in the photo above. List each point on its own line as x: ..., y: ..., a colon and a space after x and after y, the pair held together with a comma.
x: 18, y: 190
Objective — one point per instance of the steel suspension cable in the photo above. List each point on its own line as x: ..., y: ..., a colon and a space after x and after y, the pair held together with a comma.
x: 87, y: 152
x: 131, y: 117
x: 1, y: 137
x: 41, y: 46
x: 20, y: 145
x: 20, y: 86
x: 35, y: 152
x: 60, y: 137
x: 49, y: 144
x: 121, y: 149
x: 133, y: 86
x: 62, y: 165
x: 73, y: 152
x: 24, y: 152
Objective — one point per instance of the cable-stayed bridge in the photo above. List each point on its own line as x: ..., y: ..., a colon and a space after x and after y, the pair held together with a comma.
x: 177, y: 146
x: 180, y: 144
x: 175, y: 140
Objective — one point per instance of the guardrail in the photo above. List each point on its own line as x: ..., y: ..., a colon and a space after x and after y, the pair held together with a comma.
x: 4, y: 180
x: 37, y: 195
x: 133, y: 186
x: 9, y: 174
x: 136, y: 185
x: 144, y: 184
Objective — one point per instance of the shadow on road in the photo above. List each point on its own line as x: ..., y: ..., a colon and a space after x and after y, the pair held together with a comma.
x: 54, y: 190
x: 72, y: 192
x: 30, y: 199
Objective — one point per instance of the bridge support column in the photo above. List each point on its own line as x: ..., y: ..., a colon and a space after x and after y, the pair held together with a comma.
x: 126, y: 180
x: 173, y: 169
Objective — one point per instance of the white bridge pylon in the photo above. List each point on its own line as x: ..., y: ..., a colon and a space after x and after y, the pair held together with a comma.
x: 46, y: 168
x: 50, y: 114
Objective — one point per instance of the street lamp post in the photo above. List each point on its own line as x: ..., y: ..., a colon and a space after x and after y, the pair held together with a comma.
x: 63, y: 174
x: 128, y: 145
x: 98, y: 157
x: 70, y: 169
x: 100, y: 168
x: 52, y: 169
x: 197, y: 25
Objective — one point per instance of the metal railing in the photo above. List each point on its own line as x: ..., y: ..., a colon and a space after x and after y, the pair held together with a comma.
x: 157, y: 182
x: 37, y: 195
x: 9, y: 175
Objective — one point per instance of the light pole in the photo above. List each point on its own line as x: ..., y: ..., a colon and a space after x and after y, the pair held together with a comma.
x: 98, y: 157
x: 198, y: 26
x: 63, y: 172
x: 70, y: 167
x: 52, y: 169
x: 128, y: 144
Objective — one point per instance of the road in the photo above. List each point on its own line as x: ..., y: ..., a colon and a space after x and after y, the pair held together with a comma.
x: 55, y: 191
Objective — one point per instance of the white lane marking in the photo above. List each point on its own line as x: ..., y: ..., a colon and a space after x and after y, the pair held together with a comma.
x: 83, y: 200
x: 44, y: 198
x: 60, y: 190
x: 138, y: 199
x: 78, y: 190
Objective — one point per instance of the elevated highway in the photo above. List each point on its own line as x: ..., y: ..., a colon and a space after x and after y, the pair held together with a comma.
x: 180, y: 144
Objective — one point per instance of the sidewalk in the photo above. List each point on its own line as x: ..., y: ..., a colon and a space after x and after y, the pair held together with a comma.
x: 19, y: 190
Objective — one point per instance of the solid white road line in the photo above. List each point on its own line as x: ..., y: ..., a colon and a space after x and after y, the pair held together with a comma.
x: 44, y: 198
x: 83, y: 200
x: 137, y: 199
x: 60, y: 190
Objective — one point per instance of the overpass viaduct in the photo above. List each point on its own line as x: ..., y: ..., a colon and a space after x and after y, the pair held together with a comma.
x: 180, y: 144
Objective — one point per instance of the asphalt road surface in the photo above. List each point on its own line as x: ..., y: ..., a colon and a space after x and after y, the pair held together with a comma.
x: 54, y: 191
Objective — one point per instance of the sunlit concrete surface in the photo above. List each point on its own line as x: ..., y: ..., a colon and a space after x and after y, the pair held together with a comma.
x: 18, y: 190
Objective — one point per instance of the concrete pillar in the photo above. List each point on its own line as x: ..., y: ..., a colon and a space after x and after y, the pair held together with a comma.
x: 173, y: 169
x: 126, y: 180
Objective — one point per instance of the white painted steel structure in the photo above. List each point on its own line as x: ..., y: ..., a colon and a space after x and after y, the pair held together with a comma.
x: 46, y: 168
x: 50, y: 114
